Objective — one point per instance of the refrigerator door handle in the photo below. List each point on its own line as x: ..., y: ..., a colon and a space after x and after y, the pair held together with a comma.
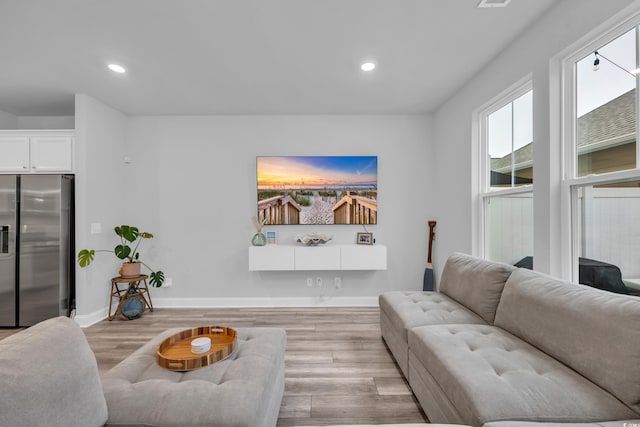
x: 4, y: 239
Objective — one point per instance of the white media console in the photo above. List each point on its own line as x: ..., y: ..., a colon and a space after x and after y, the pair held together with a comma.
x: 311, y: 258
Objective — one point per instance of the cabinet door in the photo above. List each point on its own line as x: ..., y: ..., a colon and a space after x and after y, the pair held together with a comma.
x: 14, y: 154
x: 363, y: 257
x: 51, y: 154
x: 271, y: 258
x: 317, y: 258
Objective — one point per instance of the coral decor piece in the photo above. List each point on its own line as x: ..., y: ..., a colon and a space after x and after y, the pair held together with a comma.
x: 313, y: 239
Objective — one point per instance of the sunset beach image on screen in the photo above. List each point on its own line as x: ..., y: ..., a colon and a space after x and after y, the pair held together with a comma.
x: 317, y: 189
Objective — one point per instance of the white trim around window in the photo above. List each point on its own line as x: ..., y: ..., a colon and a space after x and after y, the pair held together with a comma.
x: 564, y: 64
x: 482, y: 191
x: 515, y: 91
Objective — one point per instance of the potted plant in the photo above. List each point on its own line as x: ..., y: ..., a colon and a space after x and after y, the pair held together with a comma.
x: 129, y: 235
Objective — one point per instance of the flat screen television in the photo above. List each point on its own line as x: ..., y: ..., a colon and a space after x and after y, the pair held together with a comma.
x: 317, y: 189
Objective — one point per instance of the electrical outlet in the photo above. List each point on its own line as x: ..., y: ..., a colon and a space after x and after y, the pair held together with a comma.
x: 337, y: 282
x: 168, y: 282
x: 319, y: 281
x: 309, y: 281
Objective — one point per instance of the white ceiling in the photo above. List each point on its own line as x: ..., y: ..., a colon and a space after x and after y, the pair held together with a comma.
x: 201, y: 57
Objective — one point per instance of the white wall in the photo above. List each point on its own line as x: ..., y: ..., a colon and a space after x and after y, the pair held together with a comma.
x: 46, y: 122
x: 193, y: 185
x: 8, y: 121
x: 100, y: 187
x: 455, y: 172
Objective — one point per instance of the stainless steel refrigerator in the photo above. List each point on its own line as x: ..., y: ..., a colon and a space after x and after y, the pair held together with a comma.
x: 37, y: 279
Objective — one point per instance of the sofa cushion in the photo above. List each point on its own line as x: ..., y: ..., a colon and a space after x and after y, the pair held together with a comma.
x: 475, y: 283
x: 243, y: 390
x: 617, y: 423
x: 397, y: 425
x: 489, y: 375
x: 49, y: 377
x: 594, y: 332
x: 407, y: 310
x: 395, y: 342
x: 400, y: 311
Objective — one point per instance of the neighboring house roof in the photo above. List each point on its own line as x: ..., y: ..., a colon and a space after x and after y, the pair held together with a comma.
x: 609, y: 125
x: 524, y: 159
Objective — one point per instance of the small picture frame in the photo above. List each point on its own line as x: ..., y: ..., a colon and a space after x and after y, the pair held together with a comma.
x: 364, y: 239
x: 272, y: 238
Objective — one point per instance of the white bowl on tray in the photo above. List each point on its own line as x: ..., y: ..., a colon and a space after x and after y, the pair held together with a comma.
x: 200, y: 345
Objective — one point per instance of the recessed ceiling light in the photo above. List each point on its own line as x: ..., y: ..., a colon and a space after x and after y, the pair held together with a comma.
x: 493, y: 3
x: 117, y: 68
x: 368, y: 66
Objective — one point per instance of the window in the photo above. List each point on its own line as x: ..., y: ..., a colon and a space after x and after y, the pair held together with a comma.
x: 510, y: 143
x: 506, y: 191
x: 601, y: 164
x: 509, y: 227
x: 606, y: 107
x: 607, y: 233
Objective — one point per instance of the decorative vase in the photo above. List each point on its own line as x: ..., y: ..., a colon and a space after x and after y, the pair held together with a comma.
x: 132, y: 308
x: 130, y: 269
x: 259, y: 239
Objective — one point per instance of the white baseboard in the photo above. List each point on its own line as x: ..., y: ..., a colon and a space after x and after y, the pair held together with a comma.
x: 86, y: 320
x: 265, y: 302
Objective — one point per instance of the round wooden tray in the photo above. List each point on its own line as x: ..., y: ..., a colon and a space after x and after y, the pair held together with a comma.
x: 174, y: 353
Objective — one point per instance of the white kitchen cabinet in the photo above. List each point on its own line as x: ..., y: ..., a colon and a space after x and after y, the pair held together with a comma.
x: 51, y: 154
x: 36, y: 151
x: 317, y: 258
x: 14, y: 154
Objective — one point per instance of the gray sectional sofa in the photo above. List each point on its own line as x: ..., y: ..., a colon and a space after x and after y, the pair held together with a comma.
x: 512, y: 347
x: 49, y: 377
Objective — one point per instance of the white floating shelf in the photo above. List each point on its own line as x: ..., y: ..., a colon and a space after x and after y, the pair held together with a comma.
x: 329, y: 257
x: 271, y: 257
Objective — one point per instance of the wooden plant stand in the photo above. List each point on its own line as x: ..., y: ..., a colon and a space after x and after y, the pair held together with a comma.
x: 136, y: 288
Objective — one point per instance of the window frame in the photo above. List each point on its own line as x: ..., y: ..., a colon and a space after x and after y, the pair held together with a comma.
x: 509, y: 96
x: 484, y: 191
x: 571, y: 182
x: 569, y: 107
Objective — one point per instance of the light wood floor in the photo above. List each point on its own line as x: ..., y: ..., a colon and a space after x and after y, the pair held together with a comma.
x: 337, y: 368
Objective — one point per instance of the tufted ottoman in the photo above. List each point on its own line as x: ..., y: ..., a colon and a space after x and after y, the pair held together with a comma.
x: 244, y: 390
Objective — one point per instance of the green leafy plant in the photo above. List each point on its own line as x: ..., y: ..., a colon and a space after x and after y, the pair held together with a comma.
x: 129, y: 236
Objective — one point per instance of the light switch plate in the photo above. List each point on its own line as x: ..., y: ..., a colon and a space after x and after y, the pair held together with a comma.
x: 96, y: 228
